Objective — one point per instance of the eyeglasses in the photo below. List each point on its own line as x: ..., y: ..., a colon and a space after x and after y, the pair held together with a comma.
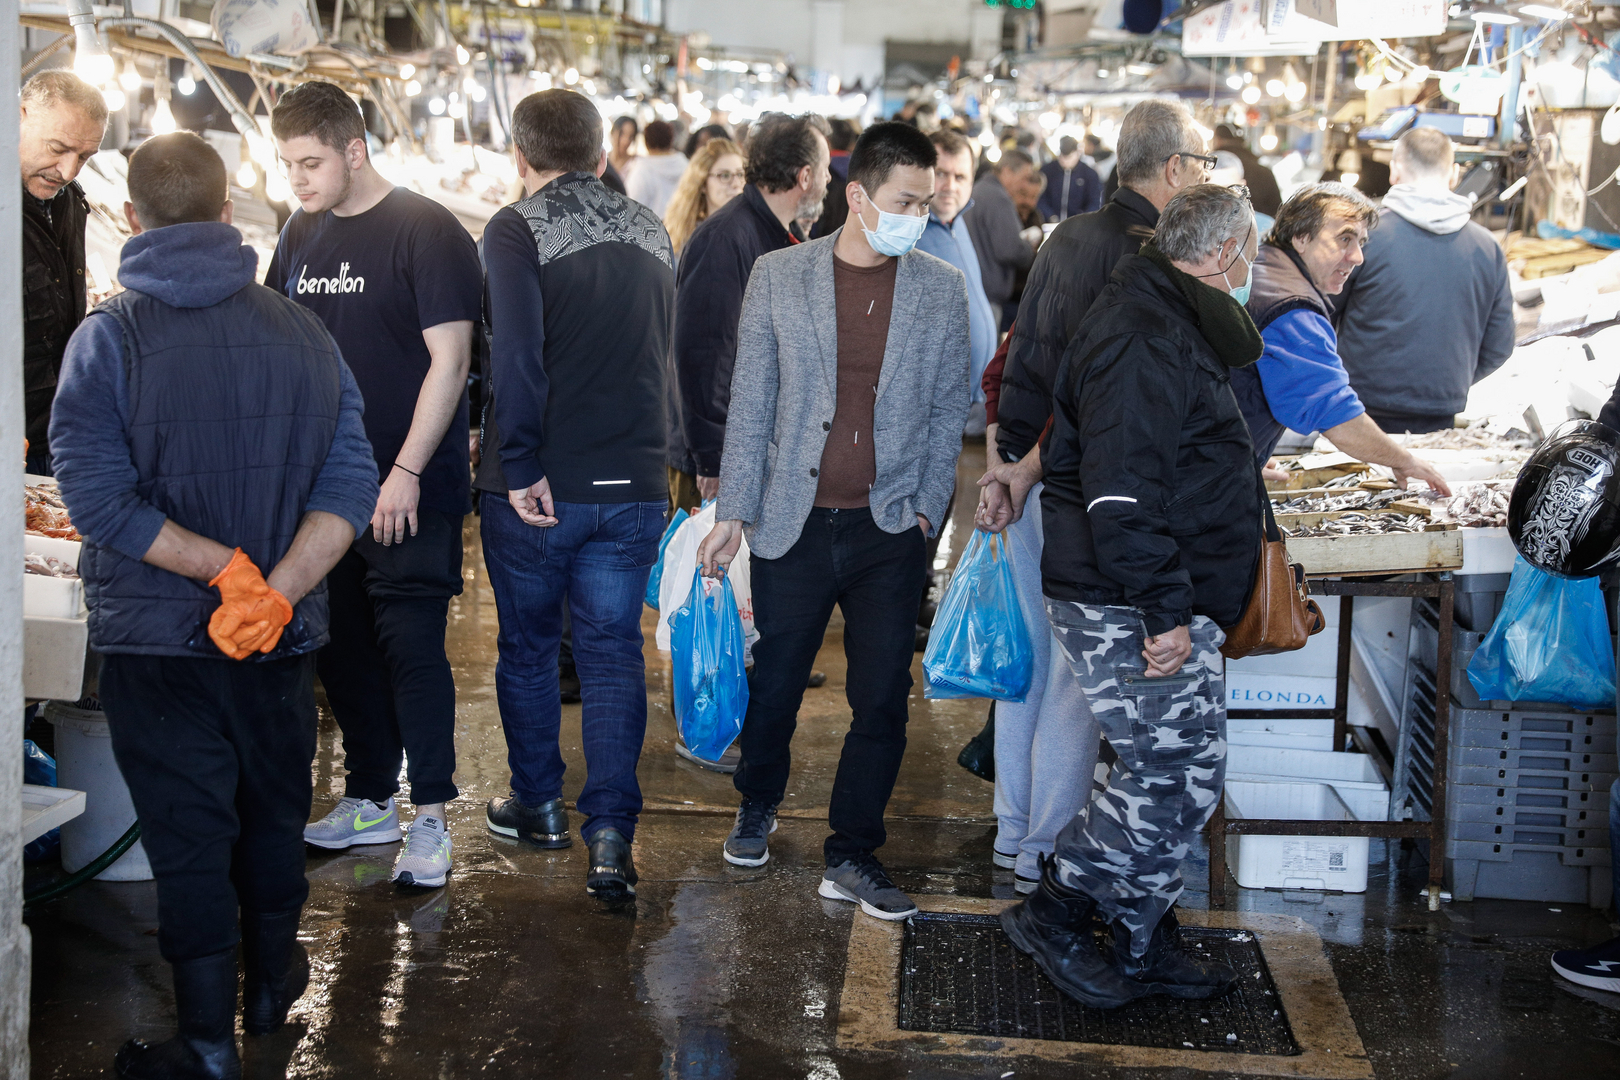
x: 727, y: 176
x: 1208, y: 160
x: 1241, y: 191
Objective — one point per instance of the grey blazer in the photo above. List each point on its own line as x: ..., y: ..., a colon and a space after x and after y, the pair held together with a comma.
x: 784, y: 392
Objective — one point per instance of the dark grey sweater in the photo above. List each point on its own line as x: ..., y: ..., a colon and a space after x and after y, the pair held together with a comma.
x: 1426, y: 316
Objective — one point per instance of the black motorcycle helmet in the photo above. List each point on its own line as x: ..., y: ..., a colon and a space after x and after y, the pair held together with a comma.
x: 1564, y: 516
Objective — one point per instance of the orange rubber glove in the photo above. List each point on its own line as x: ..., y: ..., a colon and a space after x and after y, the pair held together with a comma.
x: 251, y: 614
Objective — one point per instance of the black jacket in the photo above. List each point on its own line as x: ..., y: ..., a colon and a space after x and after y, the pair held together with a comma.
x: 1152, y: 499
x: 1281, y: 284
x: 709, y: 287
x: 53, y: 299
x: 1072, y: 268
x: 1264, y: 195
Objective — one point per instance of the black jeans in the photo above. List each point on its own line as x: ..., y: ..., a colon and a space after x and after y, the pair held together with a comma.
x: 877, y: 579
x: 1416, y: 424
x: 385, y: 671
x: 217, y: 757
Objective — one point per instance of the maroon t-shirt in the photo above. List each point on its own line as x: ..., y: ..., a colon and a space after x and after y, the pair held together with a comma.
x: 865, y: 298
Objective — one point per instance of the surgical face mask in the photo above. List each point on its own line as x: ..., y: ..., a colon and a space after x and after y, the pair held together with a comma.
x: 896, y: 234
x: 1241, y: 293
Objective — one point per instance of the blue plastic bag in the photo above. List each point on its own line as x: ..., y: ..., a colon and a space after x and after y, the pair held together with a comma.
x: 656, y: 579
x: 711, y: 683
x: 979, y: 646
x: 40, y: 768
x: 1550, y: 643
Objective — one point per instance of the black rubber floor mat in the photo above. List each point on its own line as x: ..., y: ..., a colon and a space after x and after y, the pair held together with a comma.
x: 959, y: 974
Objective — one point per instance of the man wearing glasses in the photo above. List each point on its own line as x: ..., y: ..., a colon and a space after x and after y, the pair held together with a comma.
x: 1039, y: 793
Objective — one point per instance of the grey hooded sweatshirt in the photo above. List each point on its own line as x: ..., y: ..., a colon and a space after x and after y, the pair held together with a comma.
x: 1428, y: 314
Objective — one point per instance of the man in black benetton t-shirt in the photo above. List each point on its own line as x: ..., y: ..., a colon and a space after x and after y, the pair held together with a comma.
x: 397, y: 281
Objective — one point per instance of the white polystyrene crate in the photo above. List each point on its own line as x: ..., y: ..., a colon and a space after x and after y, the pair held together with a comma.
x: 1293, y: 862
x: 53, y: 597
x: 1287, y: 732
x: 1353, y: 776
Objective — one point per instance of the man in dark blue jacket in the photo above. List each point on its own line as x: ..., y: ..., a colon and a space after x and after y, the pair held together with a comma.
x: 1072, y: 187
x: 199, y: 413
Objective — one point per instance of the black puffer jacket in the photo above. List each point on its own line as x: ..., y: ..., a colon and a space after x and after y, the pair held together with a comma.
x: 1071, y: 269
x: 53, y: 298
x: 1152, y: 500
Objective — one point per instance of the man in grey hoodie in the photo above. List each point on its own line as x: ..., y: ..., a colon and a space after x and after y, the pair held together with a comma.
x: 1429, y: 313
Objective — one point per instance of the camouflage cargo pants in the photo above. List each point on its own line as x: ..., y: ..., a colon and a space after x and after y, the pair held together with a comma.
x: 1126, y: 851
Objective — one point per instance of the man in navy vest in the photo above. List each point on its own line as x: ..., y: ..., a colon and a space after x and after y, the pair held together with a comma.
x: 208, y: 436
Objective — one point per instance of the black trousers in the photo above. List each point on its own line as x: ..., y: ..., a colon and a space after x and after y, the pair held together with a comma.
x: 217, y: 757
x: 385, y: 671
x: 1403, y: 423
x: 877, y: 579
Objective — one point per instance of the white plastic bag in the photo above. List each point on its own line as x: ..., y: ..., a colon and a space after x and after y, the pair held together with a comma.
x: 680, y: 557
x: 264, y: 26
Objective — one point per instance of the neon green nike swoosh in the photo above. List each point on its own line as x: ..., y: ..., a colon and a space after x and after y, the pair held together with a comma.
x: 361, y: 823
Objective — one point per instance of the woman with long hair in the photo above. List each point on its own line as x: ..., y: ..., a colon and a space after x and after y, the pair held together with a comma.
x: 714, y: 178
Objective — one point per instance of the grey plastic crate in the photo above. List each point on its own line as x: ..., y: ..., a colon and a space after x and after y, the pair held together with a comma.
x: 1477, y: 599
x: 1500, y: 851
x: 1545, y: 760
x: 1527, y: 817
x: 1560, y: 742
x: 1594, y: 804
x: 1600, y: 725
x: 1529, y: 875
x: 1530, y: 779
x: 1545, y: 835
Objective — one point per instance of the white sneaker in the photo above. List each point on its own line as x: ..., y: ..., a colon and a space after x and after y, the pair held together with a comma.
x: 425, y: 858
x: 355, y: 821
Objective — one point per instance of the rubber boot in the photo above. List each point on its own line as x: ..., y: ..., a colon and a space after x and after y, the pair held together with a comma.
x: 275, y: 969
x: 204, y: 1048
x: 1055, y: 927
x: 1166, y: 968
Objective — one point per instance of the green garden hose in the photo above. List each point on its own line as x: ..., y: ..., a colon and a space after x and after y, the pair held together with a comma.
x: 58, y: 889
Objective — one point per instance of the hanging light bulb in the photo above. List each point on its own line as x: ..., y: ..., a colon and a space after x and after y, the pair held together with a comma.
x: 90, y: 60
x: 246, y: 175
x: 114, y: 98
x: 1251, y: 94
x: 1268, y: 141
x: 187, y: 82
x: 589, y: 86
x: 276, y: 188
x: 462, y: 55
x: 163, y: 118
x: 1274, y: 88
x: 407, y: 70
x: 458, y: 110
x: 413, y: 88
x: 1367, y: 80
x: 1296, y: 92
x: 436, y: 106
x: 477, y: 92
x: 1235, y: 82
x: 571, y: 76
x: 130, y: 79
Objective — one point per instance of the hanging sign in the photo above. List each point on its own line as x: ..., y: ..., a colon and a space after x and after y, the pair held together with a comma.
x: 1326, y: 11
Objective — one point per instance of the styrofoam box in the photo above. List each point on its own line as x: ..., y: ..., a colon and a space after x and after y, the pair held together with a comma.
x: 1353, y: 776
x: 1290, y: 733
x: 1293, y: 862
x: 52, y: 597
x: 53, y: 657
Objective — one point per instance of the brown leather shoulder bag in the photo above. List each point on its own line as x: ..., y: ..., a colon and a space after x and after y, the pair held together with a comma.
x: 1280, y: 616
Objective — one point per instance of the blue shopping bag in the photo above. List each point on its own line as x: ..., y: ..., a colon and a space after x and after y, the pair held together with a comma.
x: 1550, y: 643
x: 656, y: 578
x: 711, y: 683
x: 979, y: 646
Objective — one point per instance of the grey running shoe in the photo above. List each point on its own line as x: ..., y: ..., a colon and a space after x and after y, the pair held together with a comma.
x: 727, y: 763
x: 425, y: 858
x: 747, y: 846
x: 862, y: 881
x: 355, y: 821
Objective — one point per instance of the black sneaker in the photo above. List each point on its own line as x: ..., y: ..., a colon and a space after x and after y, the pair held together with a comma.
x: 545, y: 825
x: 747, y: 846
x: 611, y: 875
x: 1597, y: 967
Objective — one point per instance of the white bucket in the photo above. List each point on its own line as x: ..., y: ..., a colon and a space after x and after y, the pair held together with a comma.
x: 263, y: 26
x: 84, y: 760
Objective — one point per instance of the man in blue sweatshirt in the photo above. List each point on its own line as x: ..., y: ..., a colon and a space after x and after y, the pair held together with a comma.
x: 206, y: 428
x: 1299, y: 382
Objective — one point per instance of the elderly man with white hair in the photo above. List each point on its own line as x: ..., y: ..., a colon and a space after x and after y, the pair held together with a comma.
x: 1411, y: 361
x: 1152, y: 514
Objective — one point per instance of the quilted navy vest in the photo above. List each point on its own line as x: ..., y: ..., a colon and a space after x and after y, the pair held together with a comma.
x: 232, y: 409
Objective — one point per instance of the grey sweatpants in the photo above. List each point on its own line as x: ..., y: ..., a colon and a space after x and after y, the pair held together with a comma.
x: 1170, y: 733
x: 1046, y: 746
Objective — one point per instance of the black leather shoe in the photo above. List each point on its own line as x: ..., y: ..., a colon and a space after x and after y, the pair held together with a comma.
x: 545, y: 825
x: 205, y: 1046
x: 275, y: 970
x: 1055, y: 926
x: 1166, y: 968
x: 612, y: 872
x: 979, y: 755
x: 568, y: 684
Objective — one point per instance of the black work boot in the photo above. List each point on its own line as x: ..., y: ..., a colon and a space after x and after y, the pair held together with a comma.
x: 275, y: 969
x: 205, y: 1046
x: 611, y: 875
x: 545, y: 825
x: 1166, y: 968
x: 1055, y: 927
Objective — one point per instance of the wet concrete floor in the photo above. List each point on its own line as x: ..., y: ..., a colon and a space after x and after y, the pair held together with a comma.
x: 716, y: 972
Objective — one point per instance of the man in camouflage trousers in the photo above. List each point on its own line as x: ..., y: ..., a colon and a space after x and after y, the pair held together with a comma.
x: 1152, y: 521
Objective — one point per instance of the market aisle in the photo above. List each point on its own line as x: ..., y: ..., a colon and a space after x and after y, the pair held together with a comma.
x: 719, y: 972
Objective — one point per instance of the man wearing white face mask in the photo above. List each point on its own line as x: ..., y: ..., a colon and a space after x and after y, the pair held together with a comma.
x: 845, y: 422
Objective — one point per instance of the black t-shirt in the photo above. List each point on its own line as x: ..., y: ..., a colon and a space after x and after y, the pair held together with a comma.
x: 377, y: 280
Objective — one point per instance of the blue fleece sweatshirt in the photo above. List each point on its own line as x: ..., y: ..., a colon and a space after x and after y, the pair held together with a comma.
x: 192, y: 265
x: 1305, y: 382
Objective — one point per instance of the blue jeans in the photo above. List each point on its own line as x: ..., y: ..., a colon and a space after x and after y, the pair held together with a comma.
x: 598, y: 557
